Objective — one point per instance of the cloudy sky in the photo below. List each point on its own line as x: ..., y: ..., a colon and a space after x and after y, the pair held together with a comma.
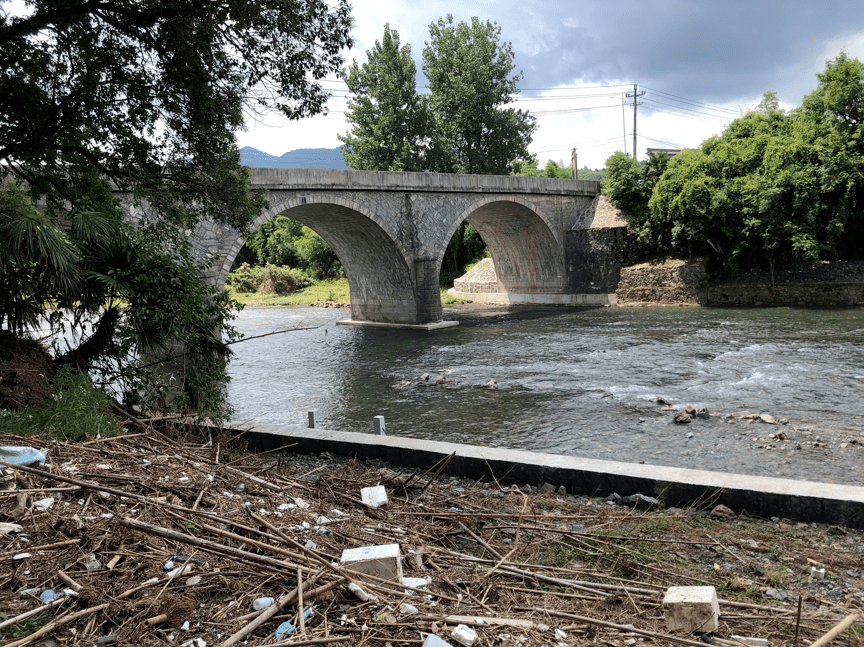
x: 700, y: 64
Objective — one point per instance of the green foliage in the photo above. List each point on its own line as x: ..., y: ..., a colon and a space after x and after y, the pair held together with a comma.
x: 388, y: 118
x: 774, y: 190
x: 268, y: 279
x: 465, y: 248
x: 273, y: 242
x: 316, y: 257
x: 76, y: 409
x: 144, y: 98
x: 629, y: 186
x: 528, y: 168
x: 470, y: 85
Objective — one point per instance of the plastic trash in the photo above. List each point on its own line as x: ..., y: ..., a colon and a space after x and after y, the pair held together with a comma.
x: 434, y: 641
x: 194, y: 642
x: 43, y: 504
x: 22, y: 455
x: 110, y: 638
x: 24, y: 592
x: 464, y: 634
x: 817, y: 573
x: 49, y: 595
x: 185, y: 626
x: 180, y: 570
x: 361, y: 594
x: 261, y: 603
x: 6, y: 528
x: 286, y: 628
x: 408, y: 609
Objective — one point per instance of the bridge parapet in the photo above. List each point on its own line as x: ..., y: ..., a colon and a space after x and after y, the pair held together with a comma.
x: 404, y: 181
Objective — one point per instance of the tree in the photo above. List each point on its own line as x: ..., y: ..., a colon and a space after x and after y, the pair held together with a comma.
x: 389, y: 119
x: 143, y: 97
x: 769, y: 103
x: 775, y: 189
x: 470, y: 85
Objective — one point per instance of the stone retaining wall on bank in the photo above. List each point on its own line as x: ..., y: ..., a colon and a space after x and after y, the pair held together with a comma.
x: 678, y: 282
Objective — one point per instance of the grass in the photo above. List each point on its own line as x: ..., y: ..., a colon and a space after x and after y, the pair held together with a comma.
x: 75, y: 410
x: 26, y: 626
x: 333, y: 289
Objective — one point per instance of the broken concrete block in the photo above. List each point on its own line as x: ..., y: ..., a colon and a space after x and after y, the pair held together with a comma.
x: 691, y: 609
x: 383, y: 561
x: 374, y: 497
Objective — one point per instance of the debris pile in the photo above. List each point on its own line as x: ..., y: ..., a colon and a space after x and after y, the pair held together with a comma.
x: 145, y: 539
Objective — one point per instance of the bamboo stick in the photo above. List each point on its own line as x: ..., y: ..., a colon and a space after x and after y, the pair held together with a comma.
x: 51, y: 626
x: 842, y: 626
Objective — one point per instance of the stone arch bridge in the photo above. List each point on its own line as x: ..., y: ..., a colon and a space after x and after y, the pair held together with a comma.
x: 390, y: 230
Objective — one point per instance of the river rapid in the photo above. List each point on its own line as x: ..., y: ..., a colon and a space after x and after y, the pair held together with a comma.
x: 579, y: 382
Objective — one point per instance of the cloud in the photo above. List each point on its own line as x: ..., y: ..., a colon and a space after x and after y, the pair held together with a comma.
x: 722, y: 54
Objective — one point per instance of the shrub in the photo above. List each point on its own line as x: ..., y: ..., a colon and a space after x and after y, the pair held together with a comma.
x: 282, y: 280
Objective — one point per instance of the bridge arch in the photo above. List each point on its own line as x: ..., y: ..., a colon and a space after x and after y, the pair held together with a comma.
x: 379, y: 269
x: 527, y: 254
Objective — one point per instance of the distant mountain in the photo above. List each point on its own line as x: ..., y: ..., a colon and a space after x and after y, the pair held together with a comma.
x: 327, y: 158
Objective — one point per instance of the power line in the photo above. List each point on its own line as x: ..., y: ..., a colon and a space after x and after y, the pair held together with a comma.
x: 707, y: 105
x: 689, y: 109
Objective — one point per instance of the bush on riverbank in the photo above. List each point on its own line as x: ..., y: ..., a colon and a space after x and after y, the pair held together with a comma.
x: 268, y: 279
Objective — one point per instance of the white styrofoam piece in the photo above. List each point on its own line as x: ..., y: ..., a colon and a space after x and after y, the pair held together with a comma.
x: 384, y: 561
x: 464, y: 634
x: 374, y: 497
x: 691, y: 609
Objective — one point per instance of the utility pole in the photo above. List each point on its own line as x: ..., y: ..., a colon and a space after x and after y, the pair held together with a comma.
x: 635, y: 94
x: 575, y: 166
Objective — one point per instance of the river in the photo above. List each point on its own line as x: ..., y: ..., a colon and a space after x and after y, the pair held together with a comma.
x: 578, y: 382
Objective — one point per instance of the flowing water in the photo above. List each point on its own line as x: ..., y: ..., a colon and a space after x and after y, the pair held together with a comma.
x: 579, y: 382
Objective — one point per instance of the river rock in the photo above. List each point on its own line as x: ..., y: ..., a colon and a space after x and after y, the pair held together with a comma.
x: 683, y: 417
x: 744, y: 415
x: 660, y: 400
x: 641, y: 501
x: 614, y: 498
x: 691, y: 410
x: 722, y: 512
x: 771, y: 420
x: 702, y: 412
x: 425, y: 377
x: 440, y: 379
x: 492, y: 384
x: 547, y: 488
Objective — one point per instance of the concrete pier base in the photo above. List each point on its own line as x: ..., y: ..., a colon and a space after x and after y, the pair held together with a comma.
x: 754, y: 495
x: 437, y: 325
x: 511, y: 298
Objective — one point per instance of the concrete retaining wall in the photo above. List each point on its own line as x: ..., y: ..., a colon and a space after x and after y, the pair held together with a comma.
x: 755, y: 495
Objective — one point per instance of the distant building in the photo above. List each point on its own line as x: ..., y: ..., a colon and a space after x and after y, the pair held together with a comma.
x: 670, y: 152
